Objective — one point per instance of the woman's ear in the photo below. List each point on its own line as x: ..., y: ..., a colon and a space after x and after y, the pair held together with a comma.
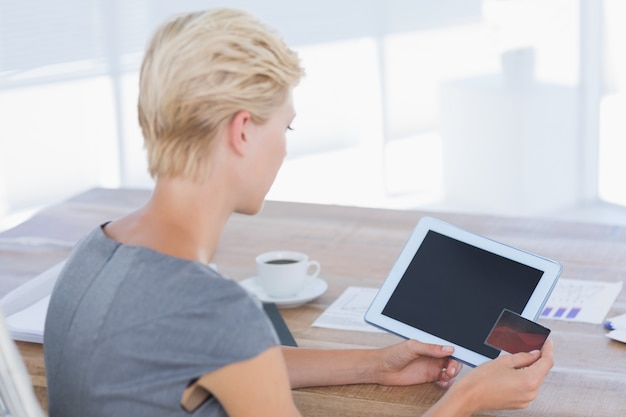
x: 239, y: 130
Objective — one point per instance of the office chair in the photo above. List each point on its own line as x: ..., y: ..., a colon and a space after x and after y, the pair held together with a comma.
x: 17, y: 397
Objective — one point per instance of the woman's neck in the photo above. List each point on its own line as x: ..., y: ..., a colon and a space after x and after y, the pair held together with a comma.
x: 182, y: 218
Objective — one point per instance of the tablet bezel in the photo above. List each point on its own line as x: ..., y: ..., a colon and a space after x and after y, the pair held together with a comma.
x: 551, y: 272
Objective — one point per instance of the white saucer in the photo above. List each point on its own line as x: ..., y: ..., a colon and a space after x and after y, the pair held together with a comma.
x: 316, y: 288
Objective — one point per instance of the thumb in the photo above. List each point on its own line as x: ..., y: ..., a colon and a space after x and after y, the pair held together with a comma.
x: 430, y: 349
x: 524, y: 359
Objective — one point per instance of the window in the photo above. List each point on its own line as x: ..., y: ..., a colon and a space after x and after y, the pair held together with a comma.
x: 385, y: 91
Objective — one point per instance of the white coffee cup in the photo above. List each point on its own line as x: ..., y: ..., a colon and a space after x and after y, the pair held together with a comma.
x: 284, y: 273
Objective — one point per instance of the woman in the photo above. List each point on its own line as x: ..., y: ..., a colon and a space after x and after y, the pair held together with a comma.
x: 138, y: 324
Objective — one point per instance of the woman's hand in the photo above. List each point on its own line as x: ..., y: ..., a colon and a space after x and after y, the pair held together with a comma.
x: 412, y: 362
x: 507, y: 382
x: 510, y: 381
x: 407, y: 363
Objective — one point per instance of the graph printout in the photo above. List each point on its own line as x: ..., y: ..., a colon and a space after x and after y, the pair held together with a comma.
x: 583, y: 301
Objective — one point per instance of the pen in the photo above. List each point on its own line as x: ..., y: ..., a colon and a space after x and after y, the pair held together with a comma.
x: 617, y: 322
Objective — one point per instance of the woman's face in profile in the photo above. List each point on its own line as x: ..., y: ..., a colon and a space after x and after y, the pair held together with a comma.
x: 270, y: 149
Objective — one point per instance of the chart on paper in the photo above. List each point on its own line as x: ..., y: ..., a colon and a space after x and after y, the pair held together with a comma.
x: 578, y: 300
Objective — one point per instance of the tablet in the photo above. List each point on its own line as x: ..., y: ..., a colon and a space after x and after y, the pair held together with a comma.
x: 449, y: 286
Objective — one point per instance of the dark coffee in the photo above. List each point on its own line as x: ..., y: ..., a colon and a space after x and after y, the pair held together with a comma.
x: 281, y: 261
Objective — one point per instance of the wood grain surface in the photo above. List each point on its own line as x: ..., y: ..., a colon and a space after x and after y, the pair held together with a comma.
x: 357, y: 247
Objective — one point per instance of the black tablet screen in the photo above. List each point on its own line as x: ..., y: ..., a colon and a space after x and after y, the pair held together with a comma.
x: 457, y: 291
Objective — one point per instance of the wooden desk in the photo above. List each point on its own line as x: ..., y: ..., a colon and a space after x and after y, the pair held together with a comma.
x: 357, y: 246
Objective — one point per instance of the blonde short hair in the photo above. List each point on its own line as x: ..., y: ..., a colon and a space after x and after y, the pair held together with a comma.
x: 199, y: 71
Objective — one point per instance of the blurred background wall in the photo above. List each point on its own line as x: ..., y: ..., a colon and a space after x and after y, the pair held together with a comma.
x: 512, y: 107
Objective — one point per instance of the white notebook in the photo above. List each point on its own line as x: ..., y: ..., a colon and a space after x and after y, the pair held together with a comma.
x: 26, y: 306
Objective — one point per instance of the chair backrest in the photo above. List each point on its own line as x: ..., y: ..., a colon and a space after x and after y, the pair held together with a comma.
x: 17, y: 397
